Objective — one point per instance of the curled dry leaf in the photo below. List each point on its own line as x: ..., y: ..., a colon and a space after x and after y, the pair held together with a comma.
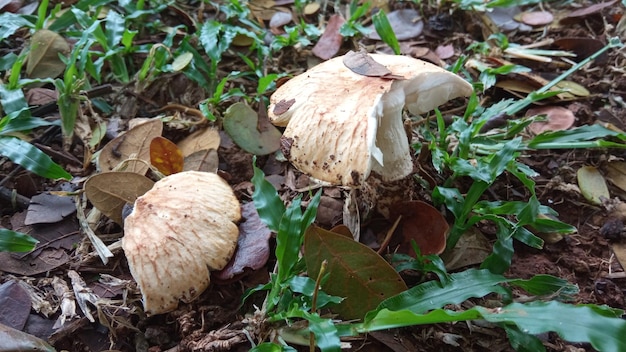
x: 363, y: 64
x: 558, y: 119
x: 177, y: 232
x: 253, y: 249
x: 110, y: 191
x: 135, y: 143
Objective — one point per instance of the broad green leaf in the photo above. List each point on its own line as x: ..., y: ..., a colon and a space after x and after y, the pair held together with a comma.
x: 568, y: 138
x: 546, y: 285
x: 432, y: 295
x: 266, y: 200
x: 115, y: 27
x: 500, y: 259
x: 522, y: 342
x: 326, y: 337
x: 306, y: 286
x: 387, y: 319
x: 13, y: 101
x: 600, y: 326
x: 355, y: 272
x: 289, y: 239
x: 210, y: 39
x: 11, y: 241
x: 31, y: 158
x: 11, y: 22
x: 23, y: 124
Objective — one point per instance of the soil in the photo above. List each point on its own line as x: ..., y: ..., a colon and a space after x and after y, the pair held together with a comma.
x: 216, y: 321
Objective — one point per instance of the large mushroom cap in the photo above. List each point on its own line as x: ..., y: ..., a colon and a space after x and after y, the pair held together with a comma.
x: 178, y: 231
x: 342, y: 125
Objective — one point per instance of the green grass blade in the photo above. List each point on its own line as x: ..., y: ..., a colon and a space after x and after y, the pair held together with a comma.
x: 23, y: 124
x: 564, y: 139
x: 11, y: 241
x: 521, y: 341
x: 289, y: 240
x: 598, y: 325
x: 13, y: 100
x: 266, y: 200
x: 31, y: 158
x: 11, y: 22
x: 384, y: 30
x: 115, y: 27
x: 432, y: 295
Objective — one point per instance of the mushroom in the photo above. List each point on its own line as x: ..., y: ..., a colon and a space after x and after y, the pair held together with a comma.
x: 341, y: 126
x: 178, y: 231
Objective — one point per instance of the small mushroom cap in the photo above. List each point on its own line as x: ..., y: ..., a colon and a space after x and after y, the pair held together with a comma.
x: 342, y: 125
x: 177, y: 232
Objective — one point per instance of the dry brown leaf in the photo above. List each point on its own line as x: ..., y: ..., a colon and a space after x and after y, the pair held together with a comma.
x: 422, y: 223
x: 134, y: 143
x: 445, y: 51
x: 110, y: 191
x: 330, y: 42
x: 405, y: 23
x: 592, y: 184
x: 280, y: 18
x: 43, y: 58
x: 253, y: 249
x: 41, y: 96
x: 616, y: 173
x: 202, y: 160
x: 537, y: 18
x: 558, y: 119
x: 589, y: 10
x: 363, y: 64
x: 208, y: 138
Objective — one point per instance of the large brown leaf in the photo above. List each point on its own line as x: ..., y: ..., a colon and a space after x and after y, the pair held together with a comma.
x: 43, y: 57
x: 110, y: 191
x: 355, y: 271
x: 133, y: 144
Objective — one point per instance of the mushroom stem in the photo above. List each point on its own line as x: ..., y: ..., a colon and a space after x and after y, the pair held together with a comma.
x: 391, y: 140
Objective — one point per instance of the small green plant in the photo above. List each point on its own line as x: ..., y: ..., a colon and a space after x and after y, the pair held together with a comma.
x: 292, y: 297
x: 483, y: 156
x: 12, y: 241
x: 352, y: 26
